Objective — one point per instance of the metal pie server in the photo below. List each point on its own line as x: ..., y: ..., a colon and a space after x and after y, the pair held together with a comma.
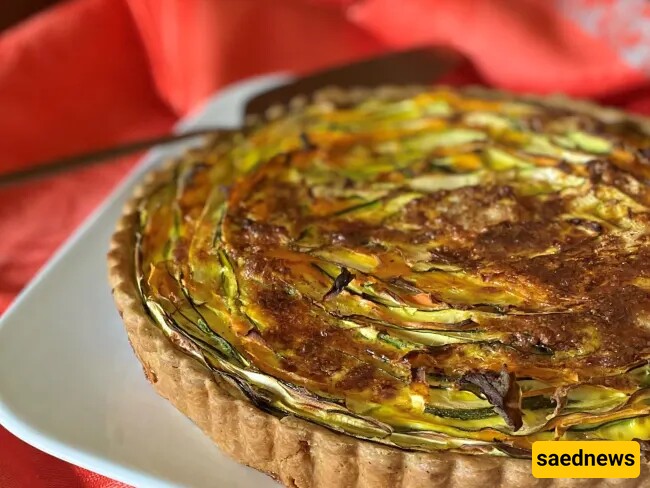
x: 424, y: 65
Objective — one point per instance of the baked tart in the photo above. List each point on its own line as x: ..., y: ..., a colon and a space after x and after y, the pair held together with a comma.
x: 399, y: 287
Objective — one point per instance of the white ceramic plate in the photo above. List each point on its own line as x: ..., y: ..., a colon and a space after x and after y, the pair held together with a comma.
x: 69, y: 382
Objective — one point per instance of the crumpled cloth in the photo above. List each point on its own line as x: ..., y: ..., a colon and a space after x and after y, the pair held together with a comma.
x: 91, y: 73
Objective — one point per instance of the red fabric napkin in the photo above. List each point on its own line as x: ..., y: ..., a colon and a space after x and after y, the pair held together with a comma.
x: 91, y: 73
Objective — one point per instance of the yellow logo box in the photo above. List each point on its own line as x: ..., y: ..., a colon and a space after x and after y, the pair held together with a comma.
x: 586, y: 459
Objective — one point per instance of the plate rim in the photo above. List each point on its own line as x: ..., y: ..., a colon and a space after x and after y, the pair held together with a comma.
x: 11, y: 420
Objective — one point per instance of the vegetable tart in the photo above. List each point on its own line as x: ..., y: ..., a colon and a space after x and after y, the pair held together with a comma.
x: 399, y: 286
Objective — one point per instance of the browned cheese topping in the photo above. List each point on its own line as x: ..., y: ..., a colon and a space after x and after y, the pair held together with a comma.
x: 449, y: 270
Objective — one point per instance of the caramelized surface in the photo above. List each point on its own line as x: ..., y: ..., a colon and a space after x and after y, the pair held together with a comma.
x: 448, y: 271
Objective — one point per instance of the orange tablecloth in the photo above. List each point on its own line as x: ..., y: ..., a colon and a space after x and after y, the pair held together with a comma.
x: 90, y: 73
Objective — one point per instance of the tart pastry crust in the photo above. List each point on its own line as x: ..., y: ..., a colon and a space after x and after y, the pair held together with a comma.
x: 296, y: 452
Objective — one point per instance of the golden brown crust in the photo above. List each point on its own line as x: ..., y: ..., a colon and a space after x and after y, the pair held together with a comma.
x: 296, y: 452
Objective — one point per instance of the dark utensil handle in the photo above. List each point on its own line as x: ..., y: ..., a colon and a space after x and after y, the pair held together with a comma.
x: 79, y: 160
x: 423, y: 65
